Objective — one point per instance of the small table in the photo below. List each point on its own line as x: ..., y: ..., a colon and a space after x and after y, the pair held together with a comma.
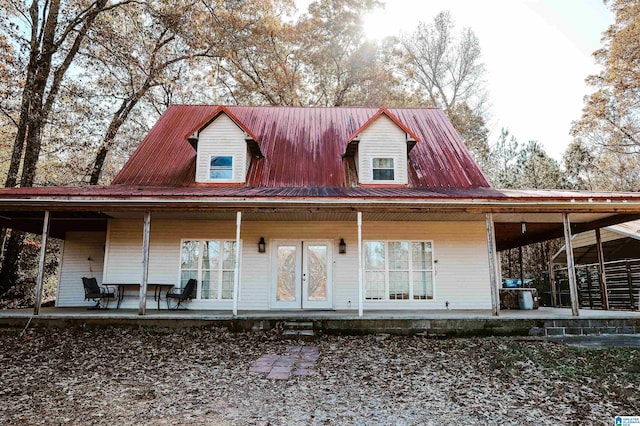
x: 157, y: 290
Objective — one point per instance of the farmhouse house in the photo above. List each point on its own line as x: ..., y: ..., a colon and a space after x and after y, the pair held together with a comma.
x: 281, y: 208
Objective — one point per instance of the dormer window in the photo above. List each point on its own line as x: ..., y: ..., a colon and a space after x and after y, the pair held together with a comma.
x: 380, y: 148
x: 221, y: 168
x: 225, y: 148
x: 383, y: 169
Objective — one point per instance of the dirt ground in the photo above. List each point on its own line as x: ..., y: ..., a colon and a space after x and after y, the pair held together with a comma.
x: 127, y: 376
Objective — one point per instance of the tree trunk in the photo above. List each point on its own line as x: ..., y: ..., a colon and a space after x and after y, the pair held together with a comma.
x: 116, y: 122
x: 21, y: 133
x: 9, y: 271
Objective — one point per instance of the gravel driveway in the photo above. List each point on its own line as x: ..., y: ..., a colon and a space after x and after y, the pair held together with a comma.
x: 129, y: 376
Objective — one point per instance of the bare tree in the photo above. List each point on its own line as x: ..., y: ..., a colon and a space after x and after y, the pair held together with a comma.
x: 446, y: 67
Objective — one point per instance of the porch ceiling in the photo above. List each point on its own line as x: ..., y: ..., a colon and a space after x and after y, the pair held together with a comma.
x: 60, y: 222
x: 539, y: 226
x: 510, y: 235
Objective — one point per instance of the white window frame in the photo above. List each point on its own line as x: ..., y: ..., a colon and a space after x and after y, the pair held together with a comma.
x: 395, y: 169
x: 200, y: 270
x: 411, y: 272
x: 233, y: 168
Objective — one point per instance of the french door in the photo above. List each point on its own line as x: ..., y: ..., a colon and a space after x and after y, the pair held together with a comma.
x: 302, y: 274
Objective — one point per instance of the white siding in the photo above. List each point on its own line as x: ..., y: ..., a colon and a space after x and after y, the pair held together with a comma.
x: 79, y: 247
x: 383, y: 138
x: 222, y: 138
x: 462, y: 271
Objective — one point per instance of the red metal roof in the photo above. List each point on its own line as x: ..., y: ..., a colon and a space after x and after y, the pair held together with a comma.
x: 219, y: 191
x: 303, y: 147
x: 392, y: 117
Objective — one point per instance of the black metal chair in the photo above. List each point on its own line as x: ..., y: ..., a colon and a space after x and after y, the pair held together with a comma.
x: 182, y: 294
x: 92, y: 291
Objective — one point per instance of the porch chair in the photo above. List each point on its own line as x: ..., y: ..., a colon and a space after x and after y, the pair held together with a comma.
x: 181, y: 294
x: 92, y: 291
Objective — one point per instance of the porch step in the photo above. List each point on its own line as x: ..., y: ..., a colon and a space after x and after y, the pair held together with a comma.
x: 298, y: 325
x: 298, y: 330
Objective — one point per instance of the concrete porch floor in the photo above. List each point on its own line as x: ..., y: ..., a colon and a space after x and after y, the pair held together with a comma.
x: 541, y: 313
x: 154, y: 314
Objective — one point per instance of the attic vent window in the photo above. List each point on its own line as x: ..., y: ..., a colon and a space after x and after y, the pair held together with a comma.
x: 383, y: 169
x: 221, y: 168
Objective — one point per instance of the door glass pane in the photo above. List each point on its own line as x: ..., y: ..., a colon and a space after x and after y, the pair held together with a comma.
x: 317, y: 279
x: 286, y: 284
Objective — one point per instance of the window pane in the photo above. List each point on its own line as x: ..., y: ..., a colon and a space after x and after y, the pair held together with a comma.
x: 221, y: 174
x: 209, y: 287
x: 399, y: 255
x: 423, y: 285
x: 421, y: 255
x: 185, y: 275
x: 374, y: 255
x: 383, y: 163
x: 398, y: 285
x: 374, y: 285
x: 211, y: 255
x: 383, y: 174
x: 190, y: 254
x: 221, y: 168
x: 229, y: 254
x: 227, y: 285
x: 225, y: 161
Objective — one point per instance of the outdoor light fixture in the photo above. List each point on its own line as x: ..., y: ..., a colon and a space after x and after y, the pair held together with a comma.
x: 342, y: 247
x: 262, y: 246
x: 523, y: 227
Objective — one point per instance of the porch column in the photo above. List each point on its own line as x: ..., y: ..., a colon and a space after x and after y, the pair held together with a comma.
x: 603, y: 274
x: 552, y: 275
x: 494, y: 271
x: 43, y: 251
x: 360, y: 271
x: 142, y: 307
x: 236, y: 267
x: 571, y: 269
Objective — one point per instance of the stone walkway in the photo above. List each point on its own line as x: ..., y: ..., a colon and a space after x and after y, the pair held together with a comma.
x: 296, y: 361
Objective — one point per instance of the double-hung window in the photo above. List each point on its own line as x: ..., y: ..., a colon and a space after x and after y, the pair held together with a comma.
x: 383, y: 169
x: 221, y: 167
x: 212, y: 263
x: 398, y: 270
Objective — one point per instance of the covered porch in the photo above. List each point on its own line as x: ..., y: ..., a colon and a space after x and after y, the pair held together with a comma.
x: 505, y: 223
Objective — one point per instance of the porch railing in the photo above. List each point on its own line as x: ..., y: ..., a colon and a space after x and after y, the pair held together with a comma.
x: 623, y: 285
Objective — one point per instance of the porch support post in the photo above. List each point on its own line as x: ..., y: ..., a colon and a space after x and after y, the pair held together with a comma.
x: 603, y: 274
x: 236, y: 267
x: 360, y: 271
x: 494, y: 272
x: 142, y: 307
x: 571, y: 268
x: 552, y: 275
x: 43, y: 251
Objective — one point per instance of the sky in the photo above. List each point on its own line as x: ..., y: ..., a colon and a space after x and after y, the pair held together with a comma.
x: 537, y: 55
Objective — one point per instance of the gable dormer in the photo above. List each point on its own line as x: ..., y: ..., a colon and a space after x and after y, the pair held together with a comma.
x: 224, y: 149
x: 381, y: 147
